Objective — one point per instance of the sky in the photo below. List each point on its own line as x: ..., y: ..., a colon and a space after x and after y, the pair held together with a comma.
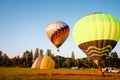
x: 23, y: 23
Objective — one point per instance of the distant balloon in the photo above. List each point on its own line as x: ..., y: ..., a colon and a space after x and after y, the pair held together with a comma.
x: 97, y: 34
x: 57, y: 32
x: 43, y: 62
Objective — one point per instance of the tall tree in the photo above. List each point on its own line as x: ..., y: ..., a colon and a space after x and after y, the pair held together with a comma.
x: 14, y: 61
x: 73, y: 56
x: 18, y: 60
x: 72, y: 59
x: 27, y: 59
x: 41, y: 51
x: 0, y: 58
x: 36, y: 54
x: 31, y: 57
x: 5, y: 60
x: 48, y: 52
x: 0, y: 54
x: 57, y: 61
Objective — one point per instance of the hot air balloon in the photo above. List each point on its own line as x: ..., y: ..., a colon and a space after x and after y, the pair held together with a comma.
x: 97, y: 34
x: 57, y: 32
x: 43, y: 62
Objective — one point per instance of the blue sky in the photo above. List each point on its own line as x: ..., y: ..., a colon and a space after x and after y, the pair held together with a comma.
x: 23, y: 23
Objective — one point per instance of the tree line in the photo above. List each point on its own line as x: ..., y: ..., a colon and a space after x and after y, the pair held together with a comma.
x: 28, y: 57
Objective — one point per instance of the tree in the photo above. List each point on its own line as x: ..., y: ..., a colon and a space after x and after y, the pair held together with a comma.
x: 77, y: 62
x: 73, y: 56
x: 67, y: 62
x: 27, y: 56
x: 80, y: 63
x: 0, y: 54
x: 52, y: 56
x: 114, y: 55
x: 84, y: 62
x: 0, y: 58
x: 18, y: 60
x: 31, y: 57
x: 57, y: 60
x: 72, y: 59
x: 41, y: 51
x: 48, y: 52
x: 36, y: 54
x: 5, y: 60
x: 14, y: 61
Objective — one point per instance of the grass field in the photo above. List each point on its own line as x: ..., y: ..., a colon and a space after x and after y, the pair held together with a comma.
x: 54, y: 74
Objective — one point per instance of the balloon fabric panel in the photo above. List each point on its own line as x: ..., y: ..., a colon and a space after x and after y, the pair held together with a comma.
x: 34, y: 64
x: 59, y: 36
x: 98, y: 47
x: 47, y: 63
x: 39, y: 61
x: 96, y: 26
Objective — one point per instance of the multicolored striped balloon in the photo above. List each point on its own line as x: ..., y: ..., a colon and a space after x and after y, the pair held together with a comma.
x: 57, y: 32
x: 44, y: 62
x: 97, y: 34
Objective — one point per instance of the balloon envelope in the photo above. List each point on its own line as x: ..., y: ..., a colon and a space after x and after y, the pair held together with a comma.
x: 57, y: 32
x: 97, y: 34
x: 43, y: 62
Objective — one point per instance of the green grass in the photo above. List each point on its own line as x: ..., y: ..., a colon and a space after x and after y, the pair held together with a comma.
x: 25, y: 74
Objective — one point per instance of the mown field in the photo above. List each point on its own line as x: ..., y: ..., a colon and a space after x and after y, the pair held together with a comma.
x: 54, y: 74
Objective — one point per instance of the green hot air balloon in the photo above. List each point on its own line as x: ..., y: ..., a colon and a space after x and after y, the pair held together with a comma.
x: 97, y: 34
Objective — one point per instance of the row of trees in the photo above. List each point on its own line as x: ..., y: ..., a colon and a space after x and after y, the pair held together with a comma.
x: 110, y: 61
x: 25, y: 61
x: 28, y: 58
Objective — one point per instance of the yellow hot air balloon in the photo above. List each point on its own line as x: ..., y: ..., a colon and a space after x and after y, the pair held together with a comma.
x: 57, y: 32
x: 43, y: 62
x: 97, y: 34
